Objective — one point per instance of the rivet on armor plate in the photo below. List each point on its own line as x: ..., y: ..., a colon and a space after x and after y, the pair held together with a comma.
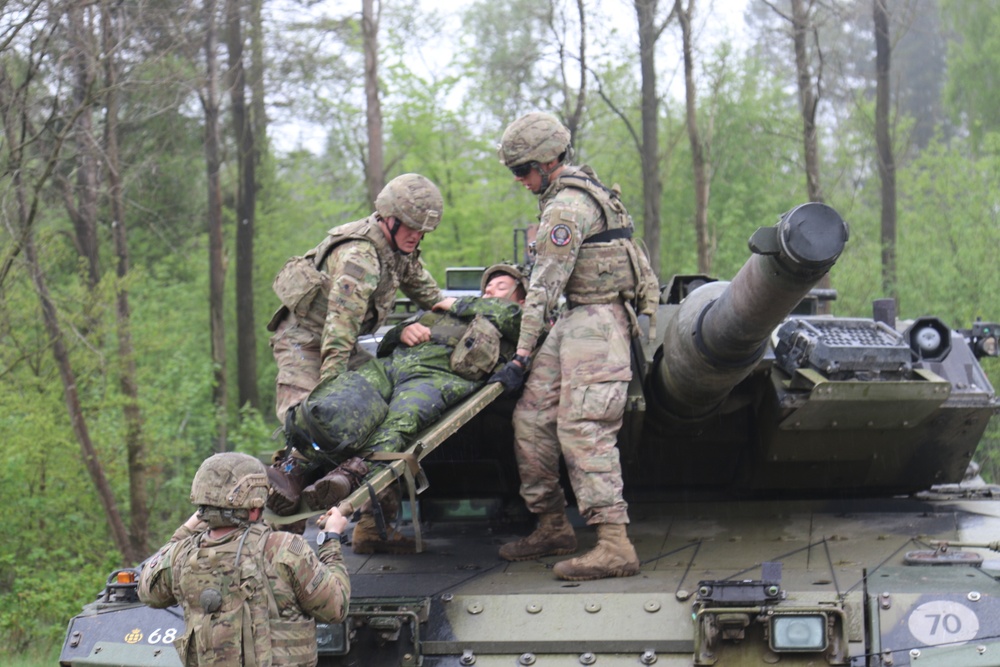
x: 592, y: 607
x: 527, y: 659
x: 914, y: 653
x: 447, y: 597
x: 533, y: 608
x: 653, y: 606
x: 974, y: 596
x: 648, y: 657
x: 981, y: 648
x: 468, y: 657
x: 474, y: 608
x: 587, y: 658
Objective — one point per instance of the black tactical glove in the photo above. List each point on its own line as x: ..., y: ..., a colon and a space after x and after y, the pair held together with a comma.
x: 511, y: 376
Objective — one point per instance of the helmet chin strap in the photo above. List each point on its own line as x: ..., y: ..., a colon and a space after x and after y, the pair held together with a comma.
x: 544, y: 173
x: 396, y: 224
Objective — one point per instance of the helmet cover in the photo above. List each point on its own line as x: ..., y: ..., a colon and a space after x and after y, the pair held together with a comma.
x: 413, y: 200
x: 231, y: 481
x: 534, y: 137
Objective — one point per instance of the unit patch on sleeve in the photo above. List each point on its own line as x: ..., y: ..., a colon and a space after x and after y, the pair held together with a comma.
x: 560, y: 235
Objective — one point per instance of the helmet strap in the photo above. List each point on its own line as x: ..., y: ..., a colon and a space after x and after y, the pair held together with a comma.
x: 544, y: 173
x: 396, y: 224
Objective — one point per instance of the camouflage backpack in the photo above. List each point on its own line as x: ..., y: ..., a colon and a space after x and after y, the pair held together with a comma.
x: 231, y: 614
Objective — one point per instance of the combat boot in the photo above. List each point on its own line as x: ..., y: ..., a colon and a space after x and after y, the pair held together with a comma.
x: 554, y: 536
x: 336, y: 485
x: 366, y: 538
x: 286, y: 477
x: 613, y: 556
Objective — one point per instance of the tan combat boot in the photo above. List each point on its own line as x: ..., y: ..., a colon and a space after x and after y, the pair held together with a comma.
x: 336, y: 485
x: 366, y: 539
x: 554, y: 536
x: 614, y: 556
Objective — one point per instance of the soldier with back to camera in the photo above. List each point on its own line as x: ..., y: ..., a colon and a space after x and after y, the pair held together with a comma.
x: 574, y: 398
x: 338, y: 291
x: 250, y: 595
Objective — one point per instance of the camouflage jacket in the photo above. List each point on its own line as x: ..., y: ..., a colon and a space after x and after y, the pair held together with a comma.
x: 281, y: 586
x: 448, y: 327
x: 568, y: 216
x: 358, y: 276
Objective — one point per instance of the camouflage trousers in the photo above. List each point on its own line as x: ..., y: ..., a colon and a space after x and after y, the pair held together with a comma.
x: 387, y: 401
x: 573, y: 405
x: 296, y: 352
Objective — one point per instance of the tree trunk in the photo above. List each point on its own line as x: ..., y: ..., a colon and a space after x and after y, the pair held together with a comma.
x: 14, y: 121
x: 649, y: 152
x: 883, y: 140
x: 575, y: 112
x: 83, y: 212
x: 373, y: 108
x: 216, y: 266
x: 258, y: 113
x: 808, y: 102
x: 698, y: 160
x: 87, y: 449
x: 135, y: 441
x: 246, y: 197
x: 808, y: 99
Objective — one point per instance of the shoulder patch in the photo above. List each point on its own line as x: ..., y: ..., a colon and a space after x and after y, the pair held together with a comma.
x: 296, y: 546
x: 354, y: 270
x: 560, y: 235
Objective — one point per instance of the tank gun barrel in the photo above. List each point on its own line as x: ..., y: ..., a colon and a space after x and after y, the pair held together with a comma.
x: 721, y: 329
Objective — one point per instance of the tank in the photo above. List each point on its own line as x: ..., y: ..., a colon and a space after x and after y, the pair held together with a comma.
x: 799, y: 492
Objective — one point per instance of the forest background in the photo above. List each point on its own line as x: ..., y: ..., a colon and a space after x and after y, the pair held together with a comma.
x: 146, y: 209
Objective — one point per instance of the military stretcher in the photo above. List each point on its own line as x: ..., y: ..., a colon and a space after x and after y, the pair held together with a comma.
x: 405, y: 465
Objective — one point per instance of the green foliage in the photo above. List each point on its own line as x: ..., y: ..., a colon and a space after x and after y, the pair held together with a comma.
x: 973, y: 85
x: 44, y: 588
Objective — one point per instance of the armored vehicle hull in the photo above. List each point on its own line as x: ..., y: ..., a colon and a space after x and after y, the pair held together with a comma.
x: 796, y: 496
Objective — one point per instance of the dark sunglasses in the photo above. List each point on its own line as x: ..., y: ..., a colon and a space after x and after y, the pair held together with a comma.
x: 522, y: 170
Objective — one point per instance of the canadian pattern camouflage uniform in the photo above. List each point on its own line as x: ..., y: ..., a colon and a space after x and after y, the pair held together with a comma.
x: 280, y: 587
x: 390, y: 399
x: 317, y: 337
x: 574, y: 398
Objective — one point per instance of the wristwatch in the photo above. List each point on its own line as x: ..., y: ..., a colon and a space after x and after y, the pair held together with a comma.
x: 323, y: 537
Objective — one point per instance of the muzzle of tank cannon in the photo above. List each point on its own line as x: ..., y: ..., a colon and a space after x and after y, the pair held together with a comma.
x: 721, y: 329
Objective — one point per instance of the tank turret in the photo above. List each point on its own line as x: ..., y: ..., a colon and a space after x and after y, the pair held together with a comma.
x: 722, y: 329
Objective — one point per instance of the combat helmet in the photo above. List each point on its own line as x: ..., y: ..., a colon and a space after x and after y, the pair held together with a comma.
x: 534, y: 137
x: 413, y: 200
x: 230, y: 481
x: 512, y: 270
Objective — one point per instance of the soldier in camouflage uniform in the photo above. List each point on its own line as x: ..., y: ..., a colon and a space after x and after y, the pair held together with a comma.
x: 574, y: 398
x: 345, y: 287
x: 425, y: 365
x: 340, y: 290
x: 250, y: 596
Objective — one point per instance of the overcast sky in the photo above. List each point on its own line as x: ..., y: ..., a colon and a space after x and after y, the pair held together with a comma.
x: 721, y: 19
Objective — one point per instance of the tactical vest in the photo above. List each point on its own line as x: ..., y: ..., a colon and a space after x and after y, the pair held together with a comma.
x: 303, y: 285
x: 231, y: 614
x: 610, y: 264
